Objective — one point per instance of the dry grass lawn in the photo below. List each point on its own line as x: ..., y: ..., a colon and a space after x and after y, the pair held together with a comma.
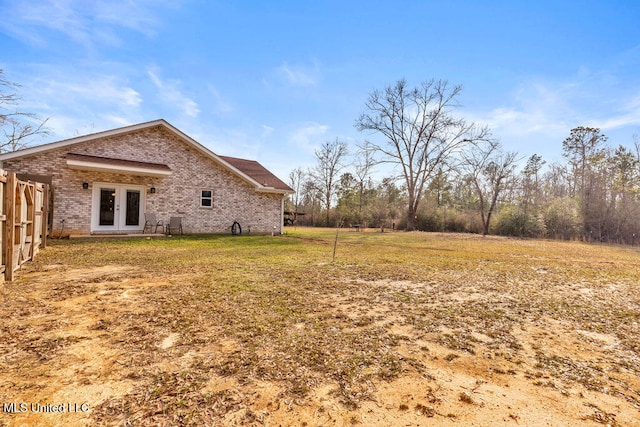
x: 402, y: 329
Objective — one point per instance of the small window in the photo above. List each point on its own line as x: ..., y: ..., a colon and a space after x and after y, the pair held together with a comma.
x: 206, y: 199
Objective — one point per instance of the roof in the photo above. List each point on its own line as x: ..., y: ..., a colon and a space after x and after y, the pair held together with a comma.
x: 107, y: 164
x: 258, y: 176
x: 257, y: 172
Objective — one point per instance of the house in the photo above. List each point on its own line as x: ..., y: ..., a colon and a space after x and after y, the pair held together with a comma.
x: 106, y: 182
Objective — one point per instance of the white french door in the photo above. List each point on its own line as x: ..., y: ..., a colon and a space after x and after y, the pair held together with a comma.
x: 117, y: 208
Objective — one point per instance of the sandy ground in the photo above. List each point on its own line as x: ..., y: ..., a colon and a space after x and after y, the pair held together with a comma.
x: 59, y: 348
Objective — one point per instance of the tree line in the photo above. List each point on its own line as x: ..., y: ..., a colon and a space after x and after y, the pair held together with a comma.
x: 452, y: 175
x: 448, y: 174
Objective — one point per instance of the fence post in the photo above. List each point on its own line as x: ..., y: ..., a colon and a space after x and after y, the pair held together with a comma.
x: 3, y: 222
x: 45, y: 214
x: 30, y: 196
x: 9, y: 228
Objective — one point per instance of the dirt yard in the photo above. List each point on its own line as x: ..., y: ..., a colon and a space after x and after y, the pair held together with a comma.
x: 407, y: 329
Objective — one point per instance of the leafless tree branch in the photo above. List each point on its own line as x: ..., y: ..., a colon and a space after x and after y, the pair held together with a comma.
x: 18, y: 128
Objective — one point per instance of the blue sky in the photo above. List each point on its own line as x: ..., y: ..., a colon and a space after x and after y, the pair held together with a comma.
x: 272, y: 80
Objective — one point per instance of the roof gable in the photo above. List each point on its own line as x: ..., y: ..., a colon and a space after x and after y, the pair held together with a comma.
x: 250, y: 171
x: 257, y: 172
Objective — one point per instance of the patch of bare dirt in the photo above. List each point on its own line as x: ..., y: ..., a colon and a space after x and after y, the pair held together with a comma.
x: 102, y: 343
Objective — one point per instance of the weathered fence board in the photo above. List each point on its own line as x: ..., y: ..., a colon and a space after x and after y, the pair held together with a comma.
x: 23, y: 220
x: 3, y: 220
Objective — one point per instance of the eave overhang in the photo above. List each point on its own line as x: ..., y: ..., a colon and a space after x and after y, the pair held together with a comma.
x: 127, y: 167
x: 273, y: 190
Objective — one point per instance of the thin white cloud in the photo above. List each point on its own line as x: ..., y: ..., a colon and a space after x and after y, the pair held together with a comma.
x: 24, y: 21
x: 69, y: 126
x: 519, y: 122
x: 82, y: 91
x: 98, y: 89
x: 220, y: 105
x: 631, y: 118
x: 542, y: 113
x: 627, y: 114
x: 79, y: 101
x: 64, y: 126
x: 84, y: 22
x: 171, y: 95
x: 155, y: 79
x: 138, y: 15
x: 266, y: 131
x: 117, y: 120
x: 298, y: 75
x: 227, y: 141
x: 307, y: 136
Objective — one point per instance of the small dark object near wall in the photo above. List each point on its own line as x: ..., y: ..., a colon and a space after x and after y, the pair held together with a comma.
x: 236, y: 228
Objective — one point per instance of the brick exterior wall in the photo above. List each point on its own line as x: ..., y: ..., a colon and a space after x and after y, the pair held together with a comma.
x: 178, y: 194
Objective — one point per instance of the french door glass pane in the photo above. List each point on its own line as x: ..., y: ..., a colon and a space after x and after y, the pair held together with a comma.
x: 133, y: 208
x: 107, y: 205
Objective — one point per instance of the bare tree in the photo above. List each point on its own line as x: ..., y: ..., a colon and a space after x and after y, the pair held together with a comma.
x: 531, y: 182
x: 419, y: 132
x: 17, y: 127
x: 624, y: 172
x: 488, y: 170
x: 556, y: 182
x: 330, y: 157
x: 531, y: 189
x: 310, y: 199
x: 585, y: 151
x: 583, y: 146
x: 296, y: 181
x: 363, y: 168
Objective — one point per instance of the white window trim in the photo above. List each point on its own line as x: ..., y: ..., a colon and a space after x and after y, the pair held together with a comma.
x: 206, y: 198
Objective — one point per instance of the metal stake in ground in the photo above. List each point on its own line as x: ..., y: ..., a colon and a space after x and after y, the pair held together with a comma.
x: 335, y: 243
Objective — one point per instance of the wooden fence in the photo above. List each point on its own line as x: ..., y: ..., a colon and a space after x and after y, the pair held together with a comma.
x: 23, y: 221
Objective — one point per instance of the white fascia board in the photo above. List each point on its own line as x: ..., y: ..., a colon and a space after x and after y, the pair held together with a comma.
x: 273, y: 190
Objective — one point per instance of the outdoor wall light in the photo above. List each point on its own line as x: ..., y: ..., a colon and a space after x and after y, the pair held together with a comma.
x: 85, y: 185
x: 152, y: 190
